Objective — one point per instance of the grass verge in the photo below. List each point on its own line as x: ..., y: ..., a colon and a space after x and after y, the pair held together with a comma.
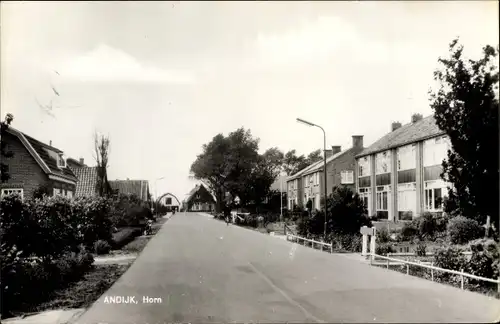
x: 84, y: 292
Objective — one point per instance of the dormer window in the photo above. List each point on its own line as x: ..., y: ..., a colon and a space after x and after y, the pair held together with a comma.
x: 61, y: 162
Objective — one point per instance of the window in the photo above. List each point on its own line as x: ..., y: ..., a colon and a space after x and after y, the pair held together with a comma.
x: 9, y: 191
x: 364, y: 195
x: 61, y: 162
x: 364, y: 167
x: 317, y: 178
x: 383, y: 162
x: 347, y: 177
x: 407, y: 157
x: 57, y: 192
x: 436, y: 150
x: 383, y: 198
x: 69, y: 194
x: 435, y: 191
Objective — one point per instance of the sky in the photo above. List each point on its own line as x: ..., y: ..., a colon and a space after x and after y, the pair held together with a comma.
x: 163, y: 78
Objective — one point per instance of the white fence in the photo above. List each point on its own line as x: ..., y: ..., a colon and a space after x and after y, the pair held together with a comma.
x: 298, y: 239
x: 430, y: 266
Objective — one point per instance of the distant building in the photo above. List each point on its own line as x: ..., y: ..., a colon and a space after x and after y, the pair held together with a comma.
x: 308, y: 183
x: 35, y: 165
x: 398, y: 176
x: 199, y: 199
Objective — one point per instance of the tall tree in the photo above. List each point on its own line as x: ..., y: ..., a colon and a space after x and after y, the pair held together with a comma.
x: 293, y: 163
x: 466, y: 108
x: 226, y: 163
x: 5, y: 154
x: 101, y: 151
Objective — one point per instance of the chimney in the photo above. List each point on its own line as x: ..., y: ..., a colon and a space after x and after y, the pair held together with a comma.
x: 416, y: 117
x: 328, y: 153
x: 50, y: 143
x: 395, y: 125
x: 357, y: 141
x: 336, y: 149
x: 81, y: 161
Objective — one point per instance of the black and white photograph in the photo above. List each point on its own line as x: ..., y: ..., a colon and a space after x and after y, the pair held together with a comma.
x: 249, y: 162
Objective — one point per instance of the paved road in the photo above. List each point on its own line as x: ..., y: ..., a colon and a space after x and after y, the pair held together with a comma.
x: 205, y: 271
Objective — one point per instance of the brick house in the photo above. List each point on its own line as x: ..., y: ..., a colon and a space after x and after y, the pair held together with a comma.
x: 199, y: 199
x: 35, y: 165
x: 308, y: 184
x: 140, y: 188
x: 87, y: 178
x: 399, y: 175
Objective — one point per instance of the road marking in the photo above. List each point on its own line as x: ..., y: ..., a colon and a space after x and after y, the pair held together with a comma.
x: 284, y: 294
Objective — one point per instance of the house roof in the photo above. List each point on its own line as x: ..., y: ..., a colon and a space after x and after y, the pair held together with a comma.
x: 301, y: 172
x: 75, y: 162
x: 407, y: 134
x: 195, y: 190
x: 140, y: 188
x: 87, y: 181
x: 319, y: 166
x: 39, y: 152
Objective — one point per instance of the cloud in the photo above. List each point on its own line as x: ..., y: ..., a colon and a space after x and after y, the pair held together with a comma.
x: 107, y: 64
x: 327, y: 38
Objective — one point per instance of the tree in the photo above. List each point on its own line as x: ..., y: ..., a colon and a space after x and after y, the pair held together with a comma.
x: 346, y: 212
x: 101, y: 147
x: 466, y: 108
x: 293, y: 163
x: 226, y: 164
x: 4, y: 168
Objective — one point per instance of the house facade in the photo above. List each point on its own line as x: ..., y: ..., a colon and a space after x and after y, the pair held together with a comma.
x: 36, y: 165
x: 399, y: 175
x: 308, y: 184
x: 199, y: 199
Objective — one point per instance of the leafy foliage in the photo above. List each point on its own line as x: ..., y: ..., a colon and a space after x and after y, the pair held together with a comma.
x: 128, y: 210
x: 462, y: 230
x: 346, y: 212
x: 466, y: 102
x: 101, y: 247
x: 293, y: 163
x: 383, y: 235
x: 4, y: 154
x: 384, y: 249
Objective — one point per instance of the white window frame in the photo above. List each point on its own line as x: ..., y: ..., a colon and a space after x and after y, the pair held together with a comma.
x: 69, y: 194
x: 379, y: 196
x: 8, y: 191
x: 430, y: 197
x: 317, y: 178
x: 383, y: 159
x: 61, y: 161
x: 56, y: 192
x: 365, y: 193
x: 403, y: 190
x: 407, y: 157
x: 364, y: 167
x: 347, y: 177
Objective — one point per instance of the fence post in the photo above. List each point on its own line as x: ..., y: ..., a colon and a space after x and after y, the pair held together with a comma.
x: 331, y: 247
x: 462, y: 279
x: 498, y: 289
x: 432, y: 271
x: 387, y: 263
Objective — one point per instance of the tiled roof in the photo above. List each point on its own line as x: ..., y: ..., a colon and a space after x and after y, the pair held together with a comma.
x: 301, y: 172
x: 140, y: 188
x: 195, y: 190
x: 87, y: 181
x: 407, y: 134
x: 320, y: 165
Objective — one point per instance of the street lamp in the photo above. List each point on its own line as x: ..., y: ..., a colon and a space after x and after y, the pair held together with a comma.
x: 324, y: 171
x: 156, y: 194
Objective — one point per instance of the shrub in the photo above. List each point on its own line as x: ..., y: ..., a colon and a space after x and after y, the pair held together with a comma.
x: 485, y: 258
x: 346, y: 242
x: 124, y: 236
x: 21, y: 278
x: 427, y: 225
x: 410, y: 231
x: 450, y: 258
x: 383, y: 235
x: 102, y: 247
x: 384, y: 249
x: 346, y: 211
x: 421, y: 249
x: 462, y: 230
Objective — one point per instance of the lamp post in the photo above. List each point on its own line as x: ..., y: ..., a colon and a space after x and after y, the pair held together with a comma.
x: 324, y: 167
x: 156, y: 194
